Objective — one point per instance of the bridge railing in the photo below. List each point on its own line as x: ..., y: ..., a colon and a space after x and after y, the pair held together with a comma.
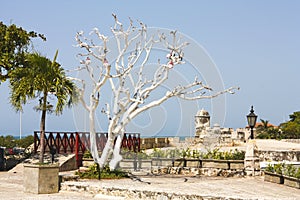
x: 79, y: 142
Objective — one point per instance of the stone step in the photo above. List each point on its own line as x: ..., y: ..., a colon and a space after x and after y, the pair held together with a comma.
x: 68, y: 177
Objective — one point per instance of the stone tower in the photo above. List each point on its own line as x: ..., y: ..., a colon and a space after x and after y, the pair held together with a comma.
x: 202, y: 122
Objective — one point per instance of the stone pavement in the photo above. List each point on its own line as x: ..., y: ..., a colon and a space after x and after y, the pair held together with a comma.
x: 173, y: 186
x: 12, y: 189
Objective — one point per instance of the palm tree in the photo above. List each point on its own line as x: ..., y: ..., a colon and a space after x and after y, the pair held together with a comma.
x: 265, y: 123
x: 41, y: 79
x: 262, y: 129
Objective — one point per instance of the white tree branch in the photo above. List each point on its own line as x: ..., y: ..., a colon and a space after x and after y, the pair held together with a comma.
x: 130, y: 93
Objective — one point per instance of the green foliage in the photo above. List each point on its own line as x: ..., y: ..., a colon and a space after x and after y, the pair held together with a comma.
x: 43, y: 78
x: 290, y: 170
x: 158, y: 153
x: 283, y: 169
x: 279, y: 168
x: 269, y: 168
x: 127, y: 154
x: 270, y: 133
x: 26, y: 141
x: 186, y: 153
x: 197, y: 154
x: 291, y: 129
x: 286, y: 130
x: 10, y: 142
x: 181, y: 153
x: 212, y: 154
x: 297, y: 173
x: 87, y: 154
x: 264, y: 131
x: 169, y: 153
x: 14, y: 44
x: 226, y: 155
x: 105, y: 173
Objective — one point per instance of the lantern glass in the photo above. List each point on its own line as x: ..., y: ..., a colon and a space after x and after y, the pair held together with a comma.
x: 251, y: 118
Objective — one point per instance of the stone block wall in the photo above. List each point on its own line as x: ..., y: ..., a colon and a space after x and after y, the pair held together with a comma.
x: 265, y: 156
x: 131, y: 164
x: 191, y: 171
x: 150, y: 143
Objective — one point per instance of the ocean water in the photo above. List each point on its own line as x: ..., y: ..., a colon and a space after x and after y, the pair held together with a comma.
x: 18, y: 137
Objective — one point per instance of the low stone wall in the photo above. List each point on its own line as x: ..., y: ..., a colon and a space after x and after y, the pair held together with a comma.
x: 132, y: 164
x: 208, y: 167
x: 190, y: 171
x: 198, y: 163
x: 150, y: 143
x: 279, y: 156
x: 194, y: 167
x: 291, y: 140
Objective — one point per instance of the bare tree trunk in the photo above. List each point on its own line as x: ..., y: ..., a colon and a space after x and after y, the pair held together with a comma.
x: 116, y: 153
x: 107, y: 150
x: 42, y: 128
x: 93, y: 142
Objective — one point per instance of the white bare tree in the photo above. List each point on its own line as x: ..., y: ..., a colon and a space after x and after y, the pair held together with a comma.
x: 126, y: 77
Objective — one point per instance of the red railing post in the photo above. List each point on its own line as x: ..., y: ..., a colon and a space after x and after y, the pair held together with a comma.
x: 72, y: 142
x: 134, y: 143
x: 139, y: 143
x: 65, y: 142
x: 129, y: 142
x: 77, y: 142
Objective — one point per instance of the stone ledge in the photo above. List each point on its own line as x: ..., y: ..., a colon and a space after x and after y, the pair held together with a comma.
x: 68, y: 177
x: 122, y: 193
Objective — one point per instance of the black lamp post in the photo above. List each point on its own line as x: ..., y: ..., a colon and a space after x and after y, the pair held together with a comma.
x: 251, y: 118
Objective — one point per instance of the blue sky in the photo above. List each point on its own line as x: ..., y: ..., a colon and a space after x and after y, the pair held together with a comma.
x: 254, y: 44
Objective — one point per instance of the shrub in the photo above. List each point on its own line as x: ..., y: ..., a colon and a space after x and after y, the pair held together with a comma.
x: 169, y: 153
x: 281, y: 168
x: 290, y: 170
x: 269, y: 168
x: 297, y: 173
x: 105, y: 173
x: 26, y: 141
x: 185, y: 153
x: 278, y: 168
x: 127, y: 154
x: 227, y: 155
x: 87, y: 154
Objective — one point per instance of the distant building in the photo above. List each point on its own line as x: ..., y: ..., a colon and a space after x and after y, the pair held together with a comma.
x: 202, y: 123
x: 217, y: 134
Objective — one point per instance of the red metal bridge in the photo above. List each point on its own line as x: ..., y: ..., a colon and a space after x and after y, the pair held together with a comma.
x: 79, y: 142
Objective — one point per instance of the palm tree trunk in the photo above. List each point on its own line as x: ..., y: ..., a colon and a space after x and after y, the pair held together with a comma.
x: 42, y: 128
